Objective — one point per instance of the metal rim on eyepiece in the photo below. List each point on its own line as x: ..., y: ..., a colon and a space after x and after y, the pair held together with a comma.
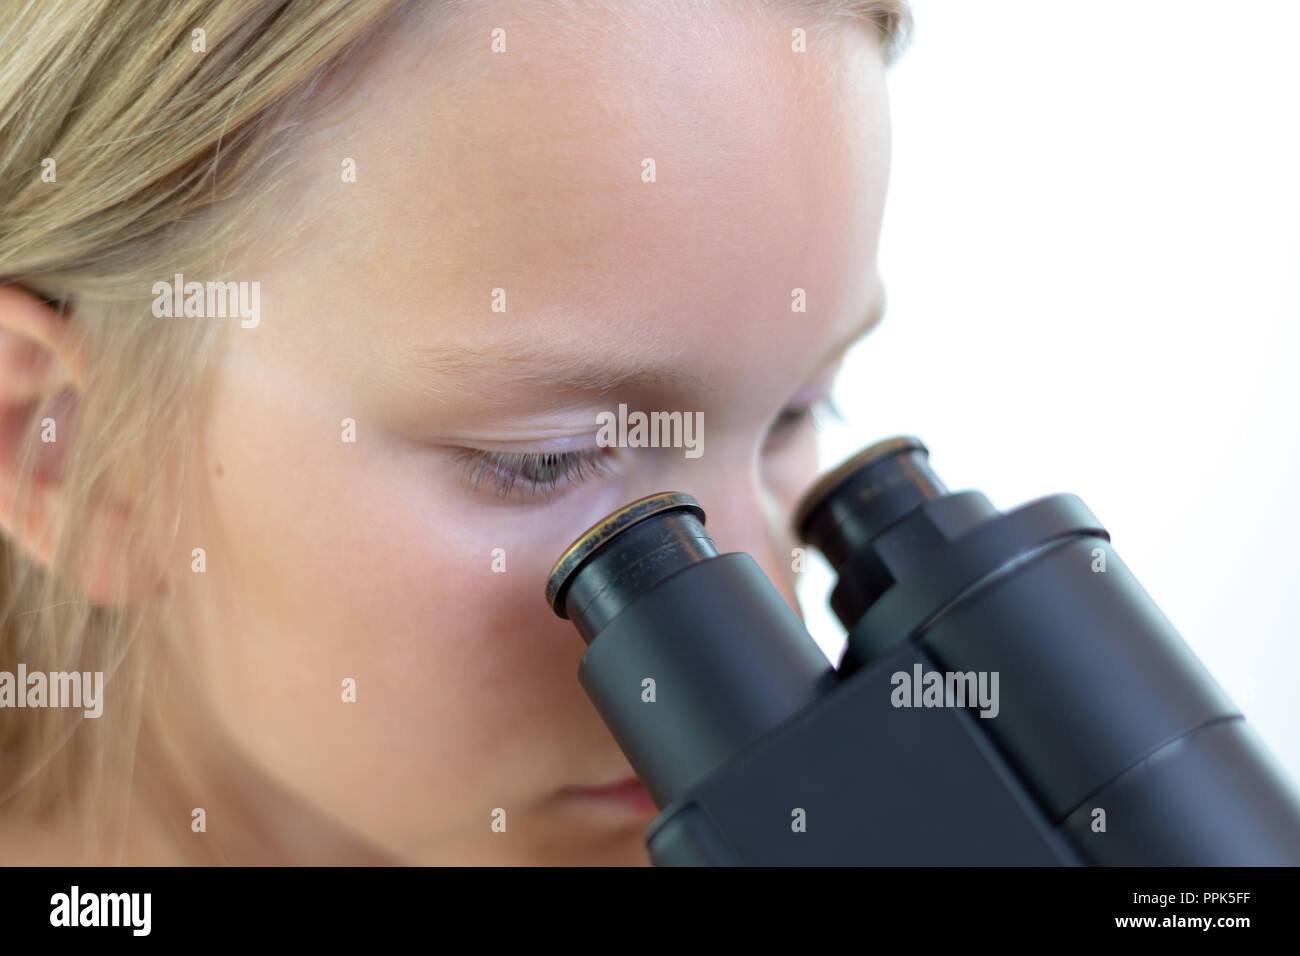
x: 829, y: 482
x: 606, y: 528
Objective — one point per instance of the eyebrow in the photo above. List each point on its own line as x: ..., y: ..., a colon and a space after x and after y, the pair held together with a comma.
x: 525, y: 365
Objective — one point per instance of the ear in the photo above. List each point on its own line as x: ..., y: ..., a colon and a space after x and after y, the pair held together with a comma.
x: 40, y: 356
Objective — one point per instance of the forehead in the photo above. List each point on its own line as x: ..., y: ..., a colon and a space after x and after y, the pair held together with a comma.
x: 625, y: 185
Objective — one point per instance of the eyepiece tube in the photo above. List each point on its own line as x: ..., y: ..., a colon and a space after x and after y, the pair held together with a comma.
x: 691, y: 655
x: 866, y: 494
x: 624, y: 554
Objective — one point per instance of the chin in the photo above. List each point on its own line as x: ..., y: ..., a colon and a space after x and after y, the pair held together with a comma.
x: 628, y: 852
x: 624, y: 846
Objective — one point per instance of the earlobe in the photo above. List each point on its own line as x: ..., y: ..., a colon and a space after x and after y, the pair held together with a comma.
x: 42, y: 357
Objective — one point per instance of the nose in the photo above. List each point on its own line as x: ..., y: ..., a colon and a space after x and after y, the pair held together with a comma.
x: 740, y: 515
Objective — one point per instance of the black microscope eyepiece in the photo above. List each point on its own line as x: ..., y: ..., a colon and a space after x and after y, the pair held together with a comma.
x: 625, y: 554
x: 854, y: 502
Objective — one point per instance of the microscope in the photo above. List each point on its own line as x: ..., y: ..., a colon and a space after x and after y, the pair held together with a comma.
x: 1009, y: 695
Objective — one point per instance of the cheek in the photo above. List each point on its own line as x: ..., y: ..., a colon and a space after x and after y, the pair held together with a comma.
x: 368, y: 567
x: 356, y: 561
x: 789, y: 470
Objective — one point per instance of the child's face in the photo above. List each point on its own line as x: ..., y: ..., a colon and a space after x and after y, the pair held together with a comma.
x: 374, y: 560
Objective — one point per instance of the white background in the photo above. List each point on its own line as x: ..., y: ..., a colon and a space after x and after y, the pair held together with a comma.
x: 1092, y: 254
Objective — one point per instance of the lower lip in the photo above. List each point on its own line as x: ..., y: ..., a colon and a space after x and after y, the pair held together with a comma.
x: 631, y: 795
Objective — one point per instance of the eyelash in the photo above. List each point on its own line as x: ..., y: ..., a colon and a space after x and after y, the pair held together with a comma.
x: 541, y: 473
x: 536, y: 473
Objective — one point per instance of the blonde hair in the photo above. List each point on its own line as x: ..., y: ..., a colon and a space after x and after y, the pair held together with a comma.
x: 158, y: 150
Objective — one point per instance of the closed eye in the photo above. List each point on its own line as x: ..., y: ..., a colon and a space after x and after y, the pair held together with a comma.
x: 540, y: 475
x: 789, y: 420
x: 529, y: 474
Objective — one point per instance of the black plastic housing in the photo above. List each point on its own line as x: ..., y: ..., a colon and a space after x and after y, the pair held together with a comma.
x: 1109, y: 744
